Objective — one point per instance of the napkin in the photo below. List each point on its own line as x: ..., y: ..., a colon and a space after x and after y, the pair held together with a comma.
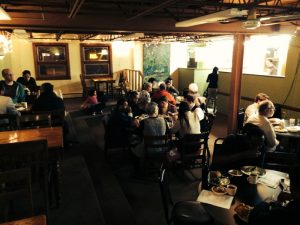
x: 270, y: 179
x: 223, y: 201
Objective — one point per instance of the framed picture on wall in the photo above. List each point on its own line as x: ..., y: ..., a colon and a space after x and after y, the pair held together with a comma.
x: 96, y: 60
x: 51, y: 61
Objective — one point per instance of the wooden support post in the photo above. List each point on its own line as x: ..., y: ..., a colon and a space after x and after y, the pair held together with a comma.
x: 236, y: 80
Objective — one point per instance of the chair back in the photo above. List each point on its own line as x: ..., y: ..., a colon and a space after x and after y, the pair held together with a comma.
x: 8, y: 122
x: 207, y: 122
x: 240, y: 120
x: 156, y: 144
x: 29, y: 154
x: 216, y: 151
x: 85, y: 83
x: 165, y: 192
x: 281, y: 161
x: 57, y: 116
x: 34, y: 120
x: 16, y: 184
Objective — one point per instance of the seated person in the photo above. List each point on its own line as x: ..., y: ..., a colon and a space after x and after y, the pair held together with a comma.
x: 133, y: 103
x: 120, y: 123
x: 240, y: 149
x: 91, y: 103
x: 48, y: 100
x: 170, y: 88
x: 274, y: 213
x: 163, y: 92
x: 28, y: 81
x: 10, y: 88
x: 7, y: 107
x: 144, y: 96
x: 166, y: 108
x: 193, y: 91
x: 190, y: 100
x: 253, y: 108
x: 154, y: 83
x: 188, y: 121
x: 152, y: 126
x: 265, y: 110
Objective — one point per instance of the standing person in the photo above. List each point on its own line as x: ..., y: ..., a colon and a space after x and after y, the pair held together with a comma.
x: 11, y: 88
x: 28, y: 81
x: 253, y: 108
x: 212, y: 80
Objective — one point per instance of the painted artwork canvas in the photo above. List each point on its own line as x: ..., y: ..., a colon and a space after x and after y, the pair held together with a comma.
x: 156, y: 61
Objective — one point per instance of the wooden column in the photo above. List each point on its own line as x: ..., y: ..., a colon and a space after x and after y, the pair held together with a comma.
x: 236, y: 80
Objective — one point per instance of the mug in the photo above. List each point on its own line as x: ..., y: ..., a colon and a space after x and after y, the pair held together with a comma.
x: 292, y: 122
x: 253, y: 178
x: 24, y: 104
x: 231, y: 189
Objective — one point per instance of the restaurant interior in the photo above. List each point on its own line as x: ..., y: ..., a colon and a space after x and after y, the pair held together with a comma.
x: 81, y: 175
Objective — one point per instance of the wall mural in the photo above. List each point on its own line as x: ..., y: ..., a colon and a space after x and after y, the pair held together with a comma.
x: 156, y: 61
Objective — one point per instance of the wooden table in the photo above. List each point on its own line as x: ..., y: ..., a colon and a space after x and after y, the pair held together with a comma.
x: 54, y: 136
x: 107, y: 80
x: 36, y: 220
x: 250, y: 194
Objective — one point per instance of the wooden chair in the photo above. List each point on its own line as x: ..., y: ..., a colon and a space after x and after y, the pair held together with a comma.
x: 155, y: 149
x: 86, y: 86
x: 281, y: 161
x: 29, y: 154
x: 15, y: 185
x: 194, y: 150
x: 183, y: 212
x: 8, y: 122
x: 34, y: 120
x: 57, y: 116
x: 240, y: 120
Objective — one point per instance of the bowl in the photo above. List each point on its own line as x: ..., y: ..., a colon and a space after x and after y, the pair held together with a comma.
x: 219, y: 190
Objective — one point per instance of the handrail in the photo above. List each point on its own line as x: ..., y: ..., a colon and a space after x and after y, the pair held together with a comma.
x: 133, y: 78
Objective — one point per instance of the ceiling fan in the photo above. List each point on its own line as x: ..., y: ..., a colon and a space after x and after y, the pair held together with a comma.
x: 252, y: 22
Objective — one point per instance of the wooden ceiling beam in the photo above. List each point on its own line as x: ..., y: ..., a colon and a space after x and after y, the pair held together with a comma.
x: 75, y: 8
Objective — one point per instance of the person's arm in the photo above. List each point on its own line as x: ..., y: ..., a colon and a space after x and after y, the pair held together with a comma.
x: 199, y: 113
x: 11, y: 109
x: 208, y: 78
x: 270, y: 134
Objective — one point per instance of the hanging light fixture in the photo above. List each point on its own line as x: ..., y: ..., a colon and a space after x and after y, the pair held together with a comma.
x: 4, y: 15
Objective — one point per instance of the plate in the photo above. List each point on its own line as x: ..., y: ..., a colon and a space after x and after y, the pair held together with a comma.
x: 253, y: 170
x: 275, y: 121
x: 243, y: 211
x: 293, y: 129
x: 219, y: 190
x: 280, y: 130
x: 235, y: 173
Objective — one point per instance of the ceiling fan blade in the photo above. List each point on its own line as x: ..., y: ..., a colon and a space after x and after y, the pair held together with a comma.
x: 213, y: 17
x: 281, y: 18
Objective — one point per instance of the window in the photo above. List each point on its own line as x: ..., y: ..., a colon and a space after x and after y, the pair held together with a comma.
x: 96, y: 60
x: 51, y: 61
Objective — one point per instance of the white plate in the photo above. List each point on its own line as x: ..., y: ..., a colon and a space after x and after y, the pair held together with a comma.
x: 243, y: 217
x: 280, y: 130
x: 293, y: 129
x: 235, y: 173
x: 253, y: 169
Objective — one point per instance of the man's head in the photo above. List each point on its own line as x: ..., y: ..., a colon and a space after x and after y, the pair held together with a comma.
x: 134, y: 97
x: 215, y: 69
x: 261, y: 97
x: 46, y: 88
x: 26, y: 74
x: 168, y: 83
x: 193, y: 88
x: 163, y: 104
x: 122, y: 105
x: 162, y: 86
x: 7, y: 75
x: 152, y: 109
x: 148, y: 87
x: 266, y: 108
x: 295, y: 181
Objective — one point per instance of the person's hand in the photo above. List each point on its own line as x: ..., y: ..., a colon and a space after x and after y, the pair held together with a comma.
x: 136, y: 123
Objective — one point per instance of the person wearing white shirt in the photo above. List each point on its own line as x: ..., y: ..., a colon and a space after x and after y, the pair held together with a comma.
x: 265, y: 110
x: 253, y: 108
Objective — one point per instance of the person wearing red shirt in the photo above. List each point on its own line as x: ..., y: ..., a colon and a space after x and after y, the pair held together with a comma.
x: 163, y: 92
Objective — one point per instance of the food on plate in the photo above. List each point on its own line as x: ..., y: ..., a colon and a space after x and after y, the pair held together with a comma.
x: 280, y: 129
x: 274, y: 121
x: 253, y: 170
x: 235, y: 173
x: 243, y: 211
x: 219, y: 190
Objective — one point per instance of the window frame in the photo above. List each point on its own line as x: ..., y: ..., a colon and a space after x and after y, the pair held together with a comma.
x: 48, y: 64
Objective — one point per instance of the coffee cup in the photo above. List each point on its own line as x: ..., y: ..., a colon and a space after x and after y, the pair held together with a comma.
x: 231, y: 189
x: 24, y: 104
x: 253, y: 178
